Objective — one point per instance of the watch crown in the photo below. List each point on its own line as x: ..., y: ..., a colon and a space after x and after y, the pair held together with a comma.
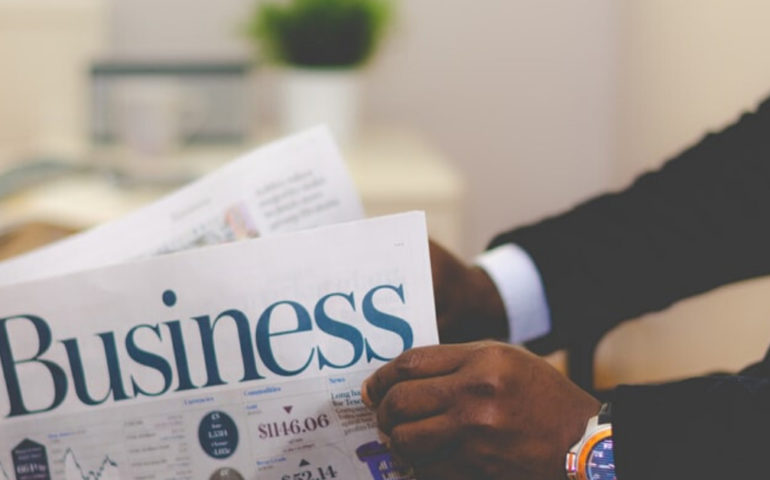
x: 571, y: 463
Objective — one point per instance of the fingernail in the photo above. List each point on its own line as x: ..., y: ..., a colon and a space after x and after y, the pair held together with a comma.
x: 365, y: 394
x: 384, y: 438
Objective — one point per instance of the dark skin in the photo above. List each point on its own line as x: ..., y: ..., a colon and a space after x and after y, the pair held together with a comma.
x: 468, y: 306
x: 482, y: 410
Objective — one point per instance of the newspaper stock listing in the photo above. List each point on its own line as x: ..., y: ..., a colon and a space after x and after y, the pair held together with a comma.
x: 235, y: 361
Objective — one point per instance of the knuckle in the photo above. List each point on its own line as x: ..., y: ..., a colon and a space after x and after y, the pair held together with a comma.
x: 375, y: 389
x: 394, y: 408
x: 439, y: 392
x: 396, y: 402
x: 383, y: 420
x: 489, y: 385
x: 493, y: 349
x: 482, y: 420
x: 400, y: 440
x: 408, y: 363
x: 441, y: 470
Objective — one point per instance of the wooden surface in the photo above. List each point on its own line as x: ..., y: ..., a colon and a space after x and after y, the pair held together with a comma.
x: 29, y: 236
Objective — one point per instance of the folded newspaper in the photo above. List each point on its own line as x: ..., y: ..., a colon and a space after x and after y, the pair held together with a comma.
x: 237, y: 361
x: 295, y: 183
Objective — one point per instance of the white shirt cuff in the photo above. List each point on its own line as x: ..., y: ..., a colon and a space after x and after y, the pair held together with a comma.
x: 518, y: 281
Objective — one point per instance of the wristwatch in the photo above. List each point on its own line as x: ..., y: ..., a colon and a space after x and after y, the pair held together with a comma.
x: 592, y: 457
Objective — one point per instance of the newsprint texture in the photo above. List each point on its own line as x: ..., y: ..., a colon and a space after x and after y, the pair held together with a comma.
x: 235, y: 361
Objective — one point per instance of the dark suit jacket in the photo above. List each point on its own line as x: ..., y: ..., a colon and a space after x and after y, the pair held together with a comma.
x: 701, y: 221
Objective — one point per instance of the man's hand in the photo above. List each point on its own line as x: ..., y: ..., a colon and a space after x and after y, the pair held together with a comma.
x: 482, y: 410
x: 468, y: 304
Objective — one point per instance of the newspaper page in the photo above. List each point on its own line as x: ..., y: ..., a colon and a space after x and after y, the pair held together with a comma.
x: 295, y: 183
x: 239, y: 361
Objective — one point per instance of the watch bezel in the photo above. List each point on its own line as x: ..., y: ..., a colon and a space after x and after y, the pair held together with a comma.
x: 599, y: 428
x: 594, y: 438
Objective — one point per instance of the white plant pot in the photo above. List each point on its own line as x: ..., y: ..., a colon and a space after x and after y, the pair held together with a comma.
x: 317, y: 96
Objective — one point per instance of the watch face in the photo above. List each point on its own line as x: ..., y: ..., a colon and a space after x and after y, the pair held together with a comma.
x: 601, y: 461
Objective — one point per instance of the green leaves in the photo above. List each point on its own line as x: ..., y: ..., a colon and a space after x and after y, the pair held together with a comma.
x: 320, y: 33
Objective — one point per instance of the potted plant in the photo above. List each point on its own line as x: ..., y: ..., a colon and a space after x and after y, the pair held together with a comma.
x: 322, y: 44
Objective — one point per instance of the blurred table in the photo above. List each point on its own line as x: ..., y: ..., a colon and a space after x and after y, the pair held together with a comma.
x: 29, y: 236
x: 394, y: 170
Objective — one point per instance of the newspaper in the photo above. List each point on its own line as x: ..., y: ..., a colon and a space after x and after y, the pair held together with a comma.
x: 239, y: 361
x: 295, y: 183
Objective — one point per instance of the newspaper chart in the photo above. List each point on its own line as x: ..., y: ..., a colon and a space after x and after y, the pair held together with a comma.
x: 239, y: 361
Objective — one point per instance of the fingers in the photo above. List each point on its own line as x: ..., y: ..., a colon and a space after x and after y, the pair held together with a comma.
x: 413, y: 400
x: 425, y: 441
x: 413, y: 364
x: 448, y: 469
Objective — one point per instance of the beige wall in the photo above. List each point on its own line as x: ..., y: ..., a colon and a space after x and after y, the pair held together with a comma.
x: 45, y: 50
x: 198, y: 29
x: 519, y: 94
x: 687, y: 66
x: 541, y: 103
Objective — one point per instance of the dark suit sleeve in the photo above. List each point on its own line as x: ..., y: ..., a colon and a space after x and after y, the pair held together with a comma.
x: 705, y: 428
x: 701, y: 221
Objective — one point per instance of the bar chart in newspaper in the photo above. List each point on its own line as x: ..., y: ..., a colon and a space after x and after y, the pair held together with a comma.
x: 313, y: 429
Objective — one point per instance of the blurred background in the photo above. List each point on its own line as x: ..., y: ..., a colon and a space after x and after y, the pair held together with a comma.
x: 508, y: 110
